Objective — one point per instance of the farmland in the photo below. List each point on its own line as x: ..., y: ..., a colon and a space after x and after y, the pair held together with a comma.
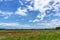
x: 30, y: 34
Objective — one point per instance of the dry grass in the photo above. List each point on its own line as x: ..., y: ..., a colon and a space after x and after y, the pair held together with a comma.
x: 29, y: 34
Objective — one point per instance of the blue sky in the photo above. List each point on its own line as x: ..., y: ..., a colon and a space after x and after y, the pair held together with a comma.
x: 29, y: 14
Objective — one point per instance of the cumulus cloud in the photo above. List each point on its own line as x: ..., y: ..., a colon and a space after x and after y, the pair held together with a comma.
x: 39, y: 5
x: 52, y: 24
x: 57, y: 14
x: 36, y: 20
x: 55, y: 22
x: 5, y: 14
x: 42, y: 25
x: 43, y: 5
x: 14, y: 26
x: 21, y: 12
x: 41, y: 16
x: 20, y: 26
x: 30, y: 8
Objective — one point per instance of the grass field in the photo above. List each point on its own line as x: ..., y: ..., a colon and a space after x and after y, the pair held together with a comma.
x: 29, y: 34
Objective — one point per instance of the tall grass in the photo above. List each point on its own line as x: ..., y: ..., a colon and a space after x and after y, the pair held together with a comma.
x: 29, y: 34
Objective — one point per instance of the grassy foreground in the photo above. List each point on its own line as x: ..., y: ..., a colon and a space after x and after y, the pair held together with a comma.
x: 29, y: 34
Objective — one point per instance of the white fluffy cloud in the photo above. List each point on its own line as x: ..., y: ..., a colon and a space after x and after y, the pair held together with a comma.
x: 48, y: 25
x: 14, y: 26
x: 43, y: 5
x: 39, y: 4
x: 57, y: 14
x: 30, y: 8
x: 52, y: 24
x: 41, y: 16
x: 21, y: 12
x: 5, y: 14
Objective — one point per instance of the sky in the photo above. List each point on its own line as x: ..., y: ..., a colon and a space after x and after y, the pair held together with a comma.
x: 29, y: 14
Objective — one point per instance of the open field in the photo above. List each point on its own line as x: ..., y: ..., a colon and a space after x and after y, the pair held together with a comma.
x: 29, y: 34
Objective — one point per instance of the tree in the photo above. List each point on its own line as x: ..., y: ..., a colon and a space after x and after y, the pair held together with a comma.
x: 57, y: 27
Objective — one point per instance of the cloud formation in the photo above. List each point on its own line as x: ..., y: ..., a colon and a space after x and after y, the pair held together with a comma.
x: 14, y: 26
x: 52, y: 24
x: 21, y: 12
x: 43, y: 5
x: 5, y: 14
x: 48, y: 9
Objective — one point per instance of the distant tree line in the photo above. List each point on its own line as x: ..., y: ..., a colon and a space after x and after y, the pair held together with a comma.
x: 57, y: 27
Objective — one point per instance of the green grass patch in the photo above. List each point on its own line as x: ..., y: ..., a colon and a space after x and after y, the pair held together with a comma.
x: 29, y: 34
